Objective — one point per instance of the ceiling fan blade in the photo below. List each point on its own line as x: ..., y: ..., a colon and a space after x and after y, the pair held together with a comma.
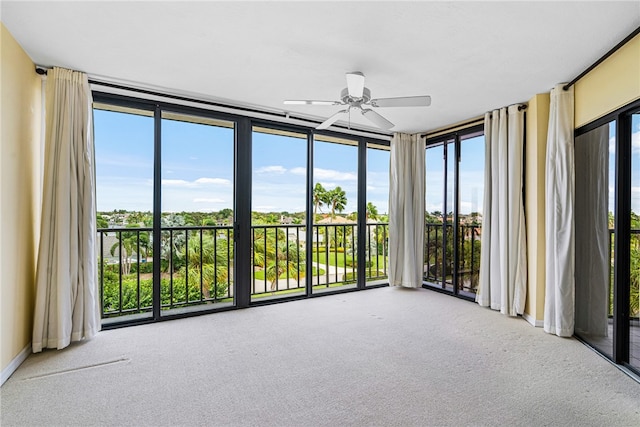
x: 377, y: 119
x: 355, y: 84
x: 331, y: 120
x: 404, y: 101
x: 310, y: 102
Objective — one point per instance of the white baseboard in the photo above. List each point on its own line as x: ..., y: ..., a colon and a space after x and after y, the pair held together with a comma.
x: 15, y: 363
x: 534, y: 322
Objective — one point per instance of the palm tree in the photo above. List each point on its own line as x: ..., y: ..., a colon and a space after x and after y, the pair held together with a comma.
x: 319, y: 196
x: 172, y: 243
x: 372, y: 211
x: 286, y: 261
x: 214, y: 265
x: 337, y: 199
x: 130, y: 242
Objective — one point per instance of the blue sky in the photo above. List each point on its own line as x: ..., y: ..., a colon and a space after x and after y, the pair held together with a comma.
x: 197, y: 169
x: 471, y: 177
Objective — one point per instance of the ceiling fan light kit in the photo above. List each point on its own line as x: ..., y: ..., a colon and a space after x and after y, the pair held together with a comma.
x: 357, y: 96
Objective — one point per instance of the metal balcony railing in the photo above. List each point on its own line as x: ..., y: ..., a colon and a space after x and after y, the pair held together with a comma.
x: 196, y: 263
x: 439, y: 255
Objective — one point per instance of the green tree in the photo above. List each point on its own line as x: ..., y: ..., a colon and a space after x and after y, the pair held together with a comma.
x: 286, y: 261
x: 172, y: 243
x: 208, y: 260
x: 130, y: 242
x: 319, y: 197
x: 101, y: 222
x: 337, y: 199
x: 372, y: 211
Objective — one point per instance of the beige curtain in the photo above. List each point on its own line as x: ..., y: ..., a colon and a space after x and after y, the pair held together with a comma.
x: 406, y: 210
x: 503, y: 260
x: 559, y: 300
x: 67, y: 306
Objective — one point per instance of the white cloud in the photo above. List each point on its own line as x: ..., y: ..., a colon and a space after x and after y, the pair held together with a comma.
x: 327, y: 174
x: 207, y: 200
x: 635, y: 143
x: 197, y: 183
x: 275, y: 169
x: 329, y: 185
x: 217, y: 181
x: 334, y: 175
x: 612, y: 145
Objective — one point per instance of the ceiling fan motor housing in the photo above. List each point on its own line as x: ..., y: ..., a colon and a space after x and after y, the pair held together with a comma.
x: 355, y: 102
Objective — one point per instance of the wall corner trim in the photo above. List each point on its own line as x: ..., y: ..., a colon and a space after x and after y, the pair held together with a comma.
x: 15, y: 363
x: 534, y: 322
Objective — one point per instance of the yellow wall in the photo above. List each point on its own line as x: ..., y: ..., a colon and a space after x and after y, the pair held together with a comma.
x: 20, y: 159
x: 537, y: 124
x: 611, y: 85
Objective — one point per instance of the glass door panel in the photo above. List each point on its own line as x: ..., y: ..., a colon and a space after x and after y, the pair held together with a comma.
x: 377, y: 255
x: 594, y: 201
x: 471, y: 196
x: 335, y: 201
x: 197, y: 213
x: 449, y: 219
x: 124, y: 153
x: 278, y: 213
x: 634, y: 282
x: 434, y: 215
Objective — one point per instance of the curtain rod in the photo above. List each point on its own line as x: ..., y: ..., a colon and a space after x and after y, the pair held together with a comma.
x: 43, y: 72
x: 603, y: 58
x: 463, y: 125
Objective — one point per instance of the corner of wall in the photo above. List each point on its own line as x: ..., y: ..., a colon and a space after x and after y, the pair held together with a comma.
x: 535, y: 154
x: 20, y: 187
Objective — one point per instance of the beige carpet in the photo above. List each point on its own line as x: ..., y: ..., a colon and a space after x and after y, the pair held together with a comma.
x: 386, y: 356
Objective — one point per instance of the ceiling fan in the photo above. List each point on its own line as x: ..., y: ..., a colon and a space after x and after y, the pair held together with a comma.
x: 356, y: 96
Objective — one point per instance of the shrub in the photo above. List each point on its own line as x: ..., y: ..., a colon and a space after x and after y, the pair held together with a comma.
x: 171, y: 292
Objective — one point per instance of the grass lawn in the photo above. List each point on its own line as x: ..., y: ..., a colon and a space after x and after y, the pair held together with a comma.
x: 344, y: 259
x: 260, y: 274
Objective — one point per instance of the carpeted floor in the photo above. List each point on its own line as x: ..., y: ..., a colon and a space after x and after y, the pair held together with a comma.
x: 388, y: 356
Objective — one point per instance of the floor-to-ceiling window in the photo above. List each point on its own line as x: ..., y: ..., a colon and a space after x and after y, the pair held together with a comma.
x: 454, y: 182
x: 278, y: 213
x: 607, y: 157
x: 335, y: 216
x: 124, y: 150
x: 197, y: 195
x: 377, y: 213
x: 202, y: 210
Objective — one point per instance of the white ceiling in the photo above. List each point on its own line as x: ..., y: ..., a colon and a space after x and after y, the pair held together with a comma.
x: 469, y: 56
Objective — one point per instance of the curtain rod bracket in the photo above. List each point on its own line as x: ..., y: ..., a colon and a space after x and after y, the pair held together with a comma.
x: 41, y: 71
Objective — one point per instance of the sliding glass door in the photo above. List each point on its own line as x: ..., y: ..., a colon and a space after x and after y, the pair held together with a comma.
x: 453, y: 211
x: 196, y: 221
x: 607, y: 155
x: 634, y: 247
x: 278, y: 213
x: 595, y: 201
x: 124, y: 150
